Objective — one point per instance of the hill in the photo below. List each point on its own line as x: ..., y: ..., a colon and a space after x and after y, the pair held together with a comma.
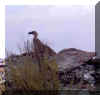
x: 70, y: 58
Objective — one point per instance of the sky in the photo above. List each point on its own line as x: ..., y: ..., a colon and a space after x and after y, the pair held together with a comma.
x: 61, y: 27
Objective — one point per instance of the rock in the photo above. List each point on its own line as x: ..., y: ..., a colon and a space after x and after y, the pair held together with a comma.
x: 72, y: 66
x: 71, y: 58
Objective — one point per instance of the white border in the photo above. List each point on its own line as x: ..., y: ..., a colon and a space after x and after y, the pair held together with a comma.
x: 49, y: 2
x: 2, y: 30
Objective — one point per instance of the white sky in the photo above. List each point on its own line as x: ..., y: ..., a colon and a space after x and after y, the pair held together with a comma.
x: 70, y: 25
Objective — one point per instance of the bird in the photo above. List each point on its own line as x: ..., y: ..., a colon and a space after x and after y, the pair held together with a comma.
x: 40, y: 48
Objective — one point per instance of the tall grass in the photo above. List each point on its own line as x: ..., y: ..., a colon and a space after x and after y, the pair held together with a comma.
x: 23, y: 73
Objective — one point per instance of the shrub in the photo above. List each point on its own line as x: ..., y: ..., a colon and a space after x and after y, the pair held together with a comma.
x: 26, y: 76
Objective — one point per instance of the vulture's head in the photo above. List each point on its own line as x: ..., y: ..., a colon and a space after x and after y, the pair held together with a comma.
x: 33, y: 33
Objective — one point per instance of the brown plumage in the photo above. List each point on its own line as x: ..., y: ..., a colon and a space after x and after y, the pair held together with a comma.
x: 41, y: 50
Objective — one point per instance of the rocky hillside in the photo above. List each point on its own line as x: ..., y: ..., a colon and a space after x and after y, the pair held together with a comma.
x: 66, y: 59
x: 70, y: 58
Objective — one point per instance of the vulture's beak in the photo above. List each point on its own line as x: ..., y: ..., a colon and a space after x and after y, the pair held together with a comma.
x: 30, y: 32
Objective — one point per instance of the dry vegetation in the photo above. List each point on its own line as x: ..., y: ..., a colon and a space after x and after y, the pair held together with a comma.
x: 23, y: 74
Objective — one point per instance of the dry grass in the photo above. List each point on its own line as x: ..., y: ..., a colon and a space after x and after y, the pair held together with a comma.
x: 28, y: 77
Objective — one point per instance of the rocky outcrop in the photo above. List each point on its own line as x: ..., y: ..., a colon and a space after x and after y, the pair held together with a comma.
x: 74, y: 66
x: 71, y: 58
